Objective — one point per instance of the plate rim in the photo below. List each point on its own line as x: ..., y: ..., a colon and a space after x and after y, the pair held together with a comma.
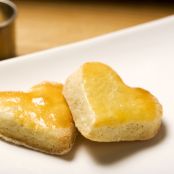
x: 107, y: 36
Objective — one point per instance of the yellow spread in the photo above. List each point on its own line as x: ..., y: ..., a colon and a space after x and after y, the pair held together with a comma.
x: 44, y: 106
x: 114, y: 102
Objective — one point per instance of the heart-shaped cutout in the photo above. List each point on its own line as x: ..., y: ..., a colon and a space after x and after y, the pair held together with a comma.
x: 105, y: 109
x: 39, y: 119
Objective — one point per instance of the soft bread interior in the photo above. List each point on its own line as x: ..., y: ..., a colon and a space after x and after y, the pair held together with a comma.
x: 75, y: 95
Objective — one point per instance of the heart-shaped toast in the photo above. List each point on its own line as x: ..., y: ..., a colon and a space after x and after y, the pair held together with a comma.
x: 39, y: 119
x: 105, y: 109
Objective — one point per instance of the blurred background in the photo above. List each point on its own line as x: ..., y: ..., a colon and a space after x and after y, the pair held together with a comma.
x: 42, y: 24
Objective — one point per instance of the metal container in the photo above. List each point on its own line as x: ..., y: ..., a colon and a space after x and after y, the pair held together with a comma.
x: 7, y: 29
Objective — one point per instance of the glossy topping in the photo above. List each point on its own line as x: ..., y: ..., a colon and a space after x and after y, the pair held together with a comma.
x: 44, y: 106
x: 114, y: 102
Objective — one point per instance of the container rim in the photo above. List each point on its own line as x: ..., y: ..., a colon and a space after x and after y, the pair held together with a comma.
x: 13, y: 15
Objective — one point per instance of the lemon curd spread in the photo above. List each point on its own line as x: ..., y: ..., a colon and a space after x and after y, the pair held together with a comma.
x: 44, y: 106
x: 112, y: 101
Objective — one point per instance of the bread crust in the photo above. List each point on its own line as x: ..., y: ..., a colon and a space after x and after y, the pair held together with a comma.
x: 84, y: 116
x: 54, y: 139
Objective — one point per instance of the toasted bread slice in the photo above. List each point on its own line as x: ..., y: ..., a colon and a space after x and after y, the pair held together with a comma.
x: 39, y: 119
x: 105, y: 109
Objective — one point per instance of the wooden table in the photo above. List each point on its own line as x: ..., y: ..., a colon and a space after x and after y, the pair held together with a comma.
x: 45, y: 24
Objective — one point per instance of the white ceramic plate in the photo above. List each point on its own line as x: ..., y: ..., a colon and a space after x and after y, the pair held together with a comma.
x: 143, y: 56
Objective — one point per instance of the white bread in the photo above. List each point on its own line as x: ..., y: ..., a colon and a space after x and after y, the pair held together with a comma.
x: 104, y: 109
x: 39, y: 119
